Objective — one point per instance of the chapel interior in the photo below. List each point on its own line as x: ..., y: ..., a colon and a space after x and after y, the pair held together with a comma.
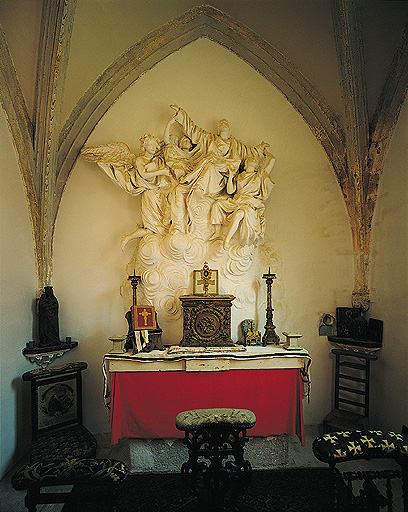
x: 322, y: 82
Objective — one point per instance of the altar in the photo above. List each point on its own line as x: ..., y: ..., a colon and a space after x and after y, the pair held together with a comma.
x: 147, y: 390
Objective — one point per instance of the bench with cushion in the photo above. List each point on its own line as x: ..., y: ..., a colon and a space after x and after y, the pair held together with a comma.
x: 337, y: 447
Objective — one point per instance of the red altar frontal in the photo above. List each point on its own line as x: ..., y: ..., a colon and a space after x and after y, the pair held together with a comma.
x: 147, y: 391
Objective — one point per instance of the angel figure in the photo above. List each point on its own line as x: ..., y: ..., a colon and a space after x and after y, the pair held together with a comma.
x: 244, y: 211
x: 145, y: 175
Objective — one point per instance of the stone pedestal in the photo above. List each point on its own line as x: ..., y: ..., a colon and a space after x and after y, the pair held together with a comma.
x: 167, y: 456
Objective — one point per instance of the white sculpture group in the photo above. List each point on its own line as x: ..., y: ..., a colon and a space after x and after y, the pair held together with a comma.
x: 202, y: 198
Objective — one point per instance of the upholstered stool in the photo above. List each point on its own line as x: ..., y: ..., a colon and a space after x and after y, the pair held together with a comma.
x: 95, y: 478
x: 215, y: 438
x: 337, y: 447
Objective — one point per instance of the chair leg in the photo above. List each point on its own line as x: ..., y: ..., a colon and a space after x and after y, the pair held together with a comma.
x: 31, y: 499
x: 333, y: 488
x: 404, y: 467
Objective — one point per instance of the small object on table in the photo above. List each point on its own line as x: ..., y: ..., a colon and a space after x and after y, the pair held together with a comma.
x: 292, y: 340
x: 118, y: 344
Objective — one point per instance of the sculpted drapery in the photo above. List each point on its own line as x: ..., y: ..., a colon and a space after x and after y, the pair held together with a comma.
x: 202, y: 199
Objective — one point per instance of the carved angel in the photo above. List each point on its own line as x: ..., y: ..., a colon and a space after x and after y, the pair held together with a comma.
x: 145, y: 175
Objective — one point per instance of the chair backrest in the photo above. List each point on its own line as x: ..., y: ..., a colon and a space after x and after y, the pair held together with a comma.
x: 352, y: 380
x: 56, y: 397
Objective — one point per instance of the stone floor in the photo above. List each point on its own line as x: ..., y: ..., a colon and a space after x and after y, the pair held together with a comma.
x: 298, y: 456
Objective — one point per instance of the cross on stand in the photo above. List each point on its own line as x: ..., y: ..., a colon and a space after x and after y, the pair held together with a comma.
x: 130, y: 343
x: 206, y: 280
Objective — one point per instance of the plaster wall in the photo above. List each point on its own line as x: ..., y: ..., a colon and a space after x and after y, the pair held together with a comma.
x: 130, y: 20
x: 389, y: 283
x: 308, y: 237
x: 17, y: 291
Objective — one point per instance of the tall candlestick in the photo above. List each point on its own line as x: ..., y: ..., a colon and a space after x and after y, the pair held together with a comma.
x: 270, y: 337
x: 134, y: 281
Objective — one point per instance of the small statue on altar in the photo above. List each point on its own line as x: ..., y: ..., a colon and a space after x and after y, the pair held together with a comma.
x: 48, y: 326
x: 250, y: 336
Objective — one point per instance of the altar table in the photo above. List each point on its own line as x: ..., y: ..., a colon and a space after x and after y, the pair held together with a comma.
x: 148, y: 390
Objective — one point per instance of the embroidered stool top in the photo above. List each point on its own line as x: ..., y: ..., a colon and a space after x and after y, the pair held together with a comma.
x: 69, y: 472
x: 69, y: 443
x: 360, y: 444
x: 201, y: 418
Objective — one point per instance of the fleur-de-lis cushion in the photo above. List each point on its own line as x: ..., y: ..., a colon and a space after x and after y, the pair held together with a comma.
x: 360, y: 444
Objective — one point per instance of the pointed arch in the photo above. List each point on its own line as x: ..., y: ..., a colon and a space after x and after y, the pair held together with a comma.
x: 203, y: 21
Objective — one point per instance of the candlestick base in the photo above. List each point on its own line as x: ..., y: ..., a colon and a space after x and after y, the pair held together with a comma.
x: 270, y: 337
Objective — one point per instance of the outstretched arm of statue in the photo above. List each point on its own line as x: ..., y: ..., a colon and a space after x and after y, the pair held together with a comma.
x: 166, y: 135
x: 192, y: 131
x: 270, y: 162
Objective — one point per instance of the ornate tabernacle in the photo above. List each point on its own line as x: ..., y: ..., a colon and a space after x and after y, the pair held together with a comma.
x: 206, y: 320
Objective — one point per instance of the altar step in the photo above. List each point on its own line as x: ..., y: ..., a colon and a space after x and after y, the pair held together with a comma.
x: 167, y: 456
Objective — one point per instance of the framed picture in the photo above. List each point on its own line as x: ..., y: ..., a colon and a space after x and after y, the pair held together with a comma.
x: 143, y: 317
x: 56, y: 403
x: 210, y: 277
x: 375, y: 330
x: 345, y: 319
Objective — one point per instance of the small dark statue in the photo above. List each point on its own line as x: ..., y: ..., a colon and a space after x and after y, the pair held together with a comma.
x: 48, y: 329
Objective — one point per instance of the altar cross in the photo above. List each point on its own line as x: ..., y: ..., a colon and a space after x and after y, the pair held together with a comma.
x: 145, y: 314
x: 206, y: 277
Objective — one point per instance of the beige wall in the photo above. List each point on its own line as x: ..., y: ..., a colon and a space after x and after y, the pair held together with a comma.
x: 17, y: 292
x: 307, y: 228
x: 389, y: 283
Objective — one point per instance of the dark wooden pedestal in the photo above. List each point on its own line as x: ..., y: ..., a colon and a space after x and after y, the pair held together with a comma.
x: 206, y: 320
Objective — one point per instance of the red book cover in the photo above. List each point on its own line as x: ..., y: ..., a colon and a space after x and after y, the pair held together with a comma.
x: 143, y: 317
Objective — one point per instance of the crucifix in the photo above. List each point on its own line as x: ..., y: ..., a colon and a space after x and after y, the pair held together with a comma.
x: 144, y: 314
x: 270, y: 336
x: 206, y: 280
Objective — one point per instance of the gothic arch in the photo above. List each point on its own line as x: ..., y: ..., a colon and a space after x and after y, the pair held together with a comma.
x: 204, y: 21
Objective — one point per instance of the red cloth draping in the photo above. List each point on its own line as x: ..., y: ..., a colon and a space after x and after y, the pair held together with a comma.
x: 145, y: 404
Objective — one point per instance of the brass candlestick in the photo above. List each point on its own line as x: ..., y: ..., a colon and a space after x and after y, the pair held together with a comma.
x: 270, y: 337
x: 130, y: 343
x: 134, y: 281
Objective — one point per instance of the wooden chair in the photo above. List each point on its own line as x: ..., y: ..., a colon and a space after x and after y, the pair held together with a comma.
x: 63, y: 451
x: 351, y: 391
